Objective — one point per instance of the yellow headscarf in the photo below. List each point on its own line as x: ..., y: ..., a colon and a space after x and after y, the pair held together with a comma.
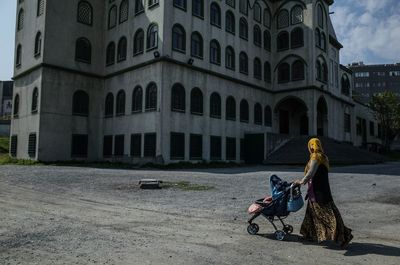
x: 316, y: 153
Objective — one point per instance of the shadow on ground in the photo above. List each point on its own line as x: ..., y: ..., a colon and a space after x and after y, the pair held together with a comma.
x: 354, y: 249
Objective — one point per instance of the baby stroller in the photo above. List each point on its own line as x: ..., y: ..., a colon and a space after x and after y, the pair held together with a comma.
x: 286, y: 198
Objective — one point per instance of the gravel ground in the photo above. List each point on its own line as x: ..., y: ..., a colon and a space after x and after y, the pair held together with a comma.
x: 71, y: 215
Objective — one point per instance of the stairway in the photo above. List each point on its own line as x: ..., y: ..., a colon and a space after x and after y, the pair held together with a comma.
x: 295, y: 152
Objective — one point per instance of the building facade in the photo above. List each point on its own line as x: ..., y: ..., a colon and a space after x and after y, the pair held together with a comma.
x: 166, y: 81
x: 372, y: 79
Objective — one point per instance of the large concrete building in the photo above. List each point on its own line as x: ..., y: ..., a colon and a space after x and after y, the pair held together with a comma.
x: 375, y: 78
x: 167, y: 81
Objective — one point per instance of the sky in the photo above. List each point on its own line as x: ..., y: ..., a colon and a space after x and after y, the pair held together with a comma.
x: 368, y: 29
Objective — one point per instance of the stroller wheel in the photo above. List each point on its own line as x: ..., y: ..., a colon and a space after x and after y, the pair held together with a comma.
x: 288, y: 229
x: 253, y: 229
x: 280, y: 235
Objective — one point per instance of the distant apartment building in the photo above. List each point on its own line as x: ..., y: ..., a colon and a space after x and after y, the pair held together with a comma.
x: 372, y: 79
x: 6, y: 94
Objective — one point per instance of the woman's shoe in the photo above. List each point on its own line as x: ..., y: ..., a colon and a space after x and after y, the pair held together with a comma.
x: 346, y: 243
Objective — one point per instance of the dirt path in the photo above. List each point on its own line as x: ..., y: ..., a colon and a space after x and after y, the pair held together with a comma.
x: 65, y: 215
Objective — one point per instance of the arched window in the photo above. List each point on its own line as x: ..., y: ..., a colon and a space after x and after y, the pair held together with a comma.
x: 152, y: 36
x: 35, y: 96
x: 122, y: 48
x: 196, y: 46
x: 297, y: 70
x: 257, y: 12
x: 296, y: 15
x: 283, y: 73
x: 257, y: 68
x: 297, y: 38
x: 243, y: 6
x: 110, y: 54
x: 138, y: 42
x: 215, y: 52
x: 40, y: 7
x: 267, y: 72
x: 267, y: 40
x: 215, y: 13
x: 230, y: 58
x: 230, y: 111
x: 178, y: 98
x: 123, y: 11
x: 323, y: 41
x: 320, y: 16
x: 198, y: 8
x: 109, y: 105
x: 178, y: 38
x: 139, y: 8
x: 83, y: 51
x: 137, y: 99
x: 85, y: 13
x: 16, y: 106
x: 345, y: 83
x: 151, y: 97
x: 318, y: 69
x: 20, y: 23
x: 38, y: 43
x: 215, y: 105
x: 243, y: 63
x: 267, y: 18
x: 112, y: 17
x: 258, y: 114
x: 120, y: 103
x: 267, y: 116
x: 230, y: 22
x: 244, y: 111
x: 196, y: 101
x: 243, y: 29
x: 282, y: 42
x: 318, y: 37
x: 283, y: 19
x: 257, y: 35
x: 324, y: 69
x: 80, y: 103
x: 18, y: 56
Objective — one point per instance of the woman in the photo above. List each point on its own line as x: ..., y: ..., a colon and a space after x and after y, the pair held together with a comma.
x: 322, y: 220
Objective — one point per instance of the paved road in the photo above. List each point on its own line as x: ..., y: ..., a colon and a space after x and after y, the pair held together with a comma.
x: 70, y: 215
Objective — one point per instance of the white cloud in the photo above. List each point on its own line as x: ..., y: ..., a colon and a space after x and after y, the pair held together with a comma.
x: 369, y: 30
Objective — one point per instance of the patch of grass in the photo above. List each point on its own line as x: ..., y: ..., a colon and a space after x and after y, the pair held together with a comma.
x: 185, y: 186
x: 5, y: 159
x: 4, y: 145
x: 189, y: 165
x: 393, y: 155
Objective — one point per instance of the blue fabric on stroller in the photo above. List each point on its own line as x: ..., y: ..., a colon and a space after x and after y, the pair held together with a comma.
x: 279, y: 191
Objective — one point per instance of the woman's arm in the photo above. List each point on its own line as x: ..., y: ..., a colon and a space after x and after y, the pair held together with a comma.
x: 310, y: 173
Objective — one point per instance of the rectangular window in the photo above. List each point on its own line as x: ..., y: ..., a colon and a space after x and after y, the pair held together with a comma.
x: 153, y: 3
x: 347, y: 123
x: 336, y: 75
x: 14, y: 145
x: 196, y: 147
x: 139, y: 8
x: 177, y: 146
x: 119, y: 145
x: 79, y: 146
x: 243, y: 6
x: 358, y: 126
x: 180, y: 4
x: 372, y: 128
x: 136, y: 145
x: 394, y: 73
x: 242, y: 149
x: 40, y: 7
x: 215, y: 148
x: 198, y: 8
x: 150, y: 142
x: 107, y: 145
x: 32, y: 145
x: 230, y: 148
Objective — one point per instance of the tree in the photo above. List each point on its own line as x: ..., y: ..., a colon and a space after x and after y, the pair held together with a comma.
x: 385, y: 107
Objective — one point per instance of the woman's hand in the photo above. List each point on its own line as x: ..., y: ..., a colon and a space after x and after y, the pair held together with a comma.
x: 298, y: 182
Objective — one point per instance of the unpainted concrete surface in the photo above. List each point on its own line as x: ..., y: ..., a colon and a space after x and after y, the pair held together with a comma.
x: 71, y: 215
